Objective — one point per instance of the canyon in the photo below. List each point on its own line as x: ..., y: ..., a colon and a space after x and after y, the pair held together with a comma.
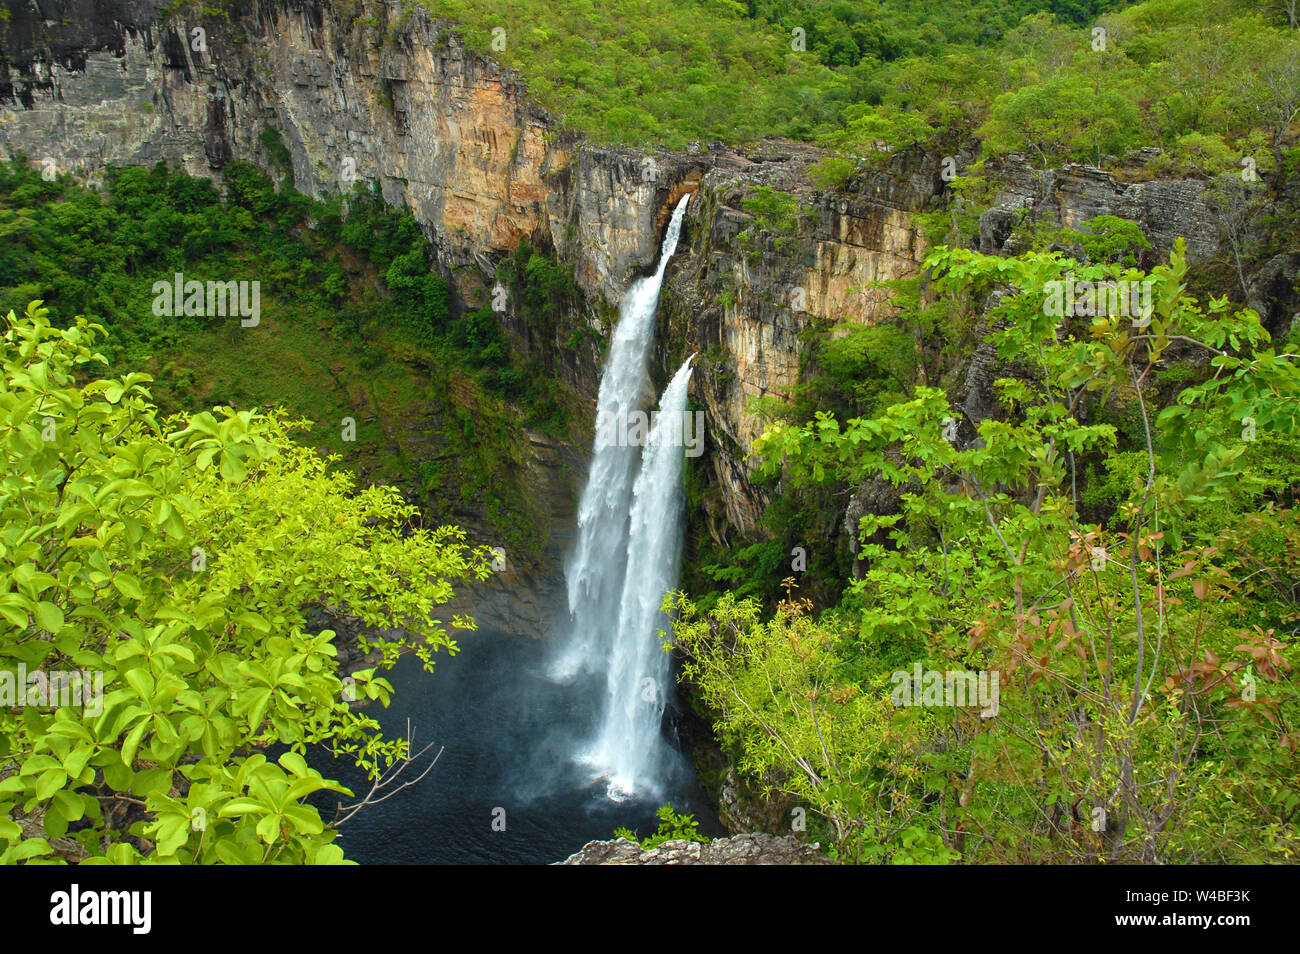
x: 328, y: 96
x: 388, y: 97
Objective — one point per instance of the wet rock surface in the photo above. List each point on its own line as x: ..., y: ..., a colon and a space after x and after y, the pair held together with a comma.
x: 736, y: 850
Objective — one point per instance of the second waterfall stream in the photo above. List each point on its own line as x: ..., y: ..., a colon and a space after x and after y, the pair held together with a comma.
x: 628, y: 548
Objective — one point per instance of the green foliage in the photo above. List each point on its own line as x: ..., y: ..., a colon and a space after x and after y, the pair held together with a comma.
x: 543, y: 295
x: 1111, y: 239
x: 866, y: 369
x: 832, y: 172
x: 1202, y: 154
x: 1066, y: 117
x: 871, y: 78
x: 280, y: 156
x: 1147, y: 700
x: 672, y: 827
x: 856, y: 73
x: 602, y: 68
x: 773, y: 211
x: 356, y: 320
x: 177, y: 559
x: 421, y: 295
x: 478, y: 334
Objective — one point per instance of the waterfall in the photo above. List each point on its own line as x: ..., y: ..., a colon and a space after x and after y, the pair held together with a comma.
x: 595, y: 569
x: 629, y: 538
x: 630, y: 747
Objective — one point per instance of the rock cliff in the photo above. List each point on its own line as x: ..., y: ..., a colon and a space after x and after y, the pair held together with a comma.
x: 736, y: 850
x: 743, y: 296
x: 383, y: 95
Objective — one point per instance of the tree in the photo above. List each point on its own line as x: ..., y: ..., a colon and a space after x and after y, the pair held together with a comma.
x: 1237, y: 205
x: 1288, y: 8
x: 180, y: 561
x: 1066, y: 117
x: 1109, y: 238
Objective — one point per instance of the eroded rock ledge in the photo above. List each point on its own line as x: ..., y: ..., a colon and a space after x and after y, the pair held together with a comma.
x: 737, y: 850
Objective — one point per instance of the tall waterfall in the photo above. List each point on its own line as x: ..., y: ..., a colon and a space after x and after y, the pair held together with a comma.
x: 630, y: 746
x: 595, y: 569
x: 629, y: 537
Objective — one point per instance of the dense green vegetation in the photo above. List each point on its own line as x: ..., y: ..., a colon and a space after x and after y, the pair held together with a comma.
x: 1118, y: 542
x: 173, y: 562
x: 743, y: 70
x: 355, y: 322
x: 1209, y: 81
x: 1120, y: 546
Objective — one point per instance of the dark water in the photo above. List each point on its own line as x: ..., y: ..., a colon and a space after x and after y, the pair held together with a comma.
x: 508, y: 735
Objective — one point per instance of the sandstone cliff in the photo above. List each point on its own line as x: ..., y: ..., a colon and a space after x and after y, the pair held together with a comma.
x: 385, y: 96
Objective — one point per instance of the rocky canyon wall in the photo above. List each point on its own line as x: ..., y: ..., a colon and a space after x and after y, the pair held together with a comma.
x: 385, y: 96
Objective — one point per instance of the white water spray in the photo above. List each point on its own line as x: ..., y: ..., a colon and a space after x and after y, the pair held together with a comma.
x: 630, y: 748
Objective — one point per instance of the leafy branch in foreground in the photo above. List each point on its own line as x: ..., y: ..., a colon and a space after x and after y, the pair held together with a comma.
x: 181, y: 562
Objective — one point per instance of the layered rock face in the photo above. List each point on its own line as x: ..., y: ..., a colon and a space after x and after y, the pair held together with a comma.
x: 439, y: 129
x: 377, y: 94
x: 742, y: 297
x: 1164, y: 209
x: 372, y: 95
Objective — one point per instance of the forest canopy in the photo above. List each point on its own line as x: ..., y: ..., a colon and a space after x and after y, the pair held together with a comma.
x: 1070, y: 79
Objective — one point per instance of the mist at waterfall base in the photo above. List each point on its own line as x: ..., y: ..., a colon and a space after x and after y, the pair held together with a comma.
x: 508, y: 734
x: 549, y: 744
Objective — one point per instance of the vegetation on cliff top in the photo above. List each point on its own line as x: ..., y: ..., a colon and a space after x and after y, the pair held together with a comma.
x: 1209, y: 81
